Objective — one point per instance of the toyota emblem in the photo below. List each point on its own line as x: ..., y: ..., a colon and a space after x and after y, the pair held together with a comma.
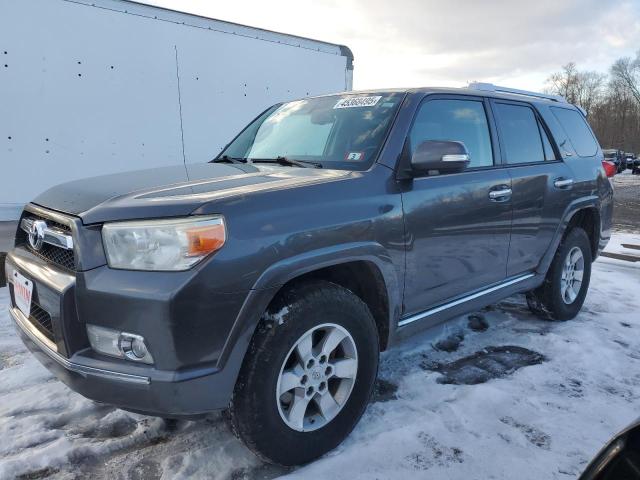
x: 36, y: 234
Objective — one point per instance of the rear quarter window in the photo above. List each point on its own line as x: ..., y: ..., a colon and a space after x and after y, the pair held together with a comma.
x: 576, y: 128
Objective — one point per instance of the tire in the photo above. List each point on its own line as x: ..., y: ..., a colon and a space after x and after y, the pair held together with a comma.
x: 552, y: 301
x: 259, y: 415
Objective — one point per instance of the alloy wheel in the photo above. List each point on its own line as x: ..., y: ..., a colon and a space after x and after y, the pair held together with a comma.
x: 572, y: 273
x: 317, y: 377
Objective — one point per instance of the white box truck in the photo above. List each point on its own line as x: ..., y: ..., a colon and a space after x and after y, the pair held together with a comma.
x: 90, y: 87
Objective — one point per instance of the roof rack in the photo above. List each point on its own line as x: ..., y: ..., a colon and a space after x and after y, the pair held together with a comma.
x: 490, y: 87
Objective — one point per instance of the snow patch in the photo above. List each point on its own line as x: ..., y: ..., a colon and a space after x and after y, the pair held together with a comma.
x: 277, y: 317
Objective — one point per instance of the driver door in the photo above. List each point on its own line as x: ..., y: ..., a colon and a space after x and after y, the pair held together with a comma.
x: 458, y: 225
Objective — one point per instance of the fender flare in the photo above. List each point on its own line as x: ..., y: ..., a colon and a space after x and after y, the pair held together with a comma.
x: 583, y: 203
x: 285, y: 270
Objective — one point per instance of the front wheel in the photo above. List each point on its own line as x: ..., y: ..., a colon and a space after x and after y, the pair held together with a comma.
x: 308, y: 374
x: 565, y: 287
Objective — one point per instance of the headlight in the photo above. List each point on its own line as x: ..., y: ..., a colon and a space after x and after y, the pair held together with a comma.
x: 171, y: 244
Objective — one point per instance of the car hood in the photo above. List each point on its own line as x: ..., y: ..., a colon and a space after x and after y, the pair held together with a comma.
x: 172, y: 191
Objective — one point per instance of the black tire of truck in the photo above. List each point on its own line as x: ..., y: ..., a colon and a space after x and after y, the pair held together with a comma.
x: 257, y: 413
x: 549, y: 301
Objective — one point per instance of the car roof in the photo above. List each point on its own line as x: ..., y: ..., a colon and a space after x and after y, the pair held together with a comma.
x: 460, y: 91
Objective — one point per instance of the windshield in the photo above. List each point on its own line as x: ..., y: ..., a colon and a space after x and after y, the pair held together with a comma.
x: 337, y: 131
x: 609, y: 154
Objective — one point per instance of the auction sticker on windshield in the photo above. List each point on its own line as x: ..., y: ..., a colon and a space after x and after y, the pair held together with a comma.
x: 351, y: 102
x: 22, y: 291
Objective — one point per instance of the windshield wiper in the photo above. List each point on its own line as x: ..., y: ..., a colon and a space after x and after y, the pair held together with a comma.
x: 227, y: 158
x: 287, y: 162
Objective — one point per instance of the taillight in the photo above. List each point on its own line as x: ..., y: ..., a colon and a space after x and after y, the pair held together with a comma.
x: 609, y: 168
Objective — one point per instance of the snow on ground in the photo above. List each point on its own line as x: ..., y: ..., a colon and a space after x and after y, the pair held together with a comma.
x: 514, y: 397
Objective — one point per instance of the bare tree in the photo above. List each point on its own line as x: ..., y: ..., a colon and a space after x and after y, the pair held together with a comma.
x: 563, y: 82
x: 612, y: 102
x: 627, y: 71
x: 582, y: 88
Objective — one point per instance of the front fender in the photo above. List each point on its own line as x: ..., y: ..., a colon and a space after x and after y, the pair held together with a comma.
x: 285, y: 270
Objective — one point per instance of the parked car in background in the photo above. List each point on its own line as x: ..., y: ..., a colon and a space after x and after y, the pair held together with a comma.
x: 633, y: 162
x: 616, y: 157
x: 268, y: 281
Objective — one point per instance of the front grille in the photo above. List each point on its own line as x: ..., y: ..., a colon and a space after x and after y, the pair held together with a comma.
x: 41, y: 319
x: 60, y: 256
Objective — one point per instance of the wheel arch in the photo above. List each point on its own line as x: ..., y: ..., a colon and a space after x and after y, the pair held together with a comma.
x: 583, y: 213
x: 364, y: 268
x: 365, y: 280
x: 588, y: 219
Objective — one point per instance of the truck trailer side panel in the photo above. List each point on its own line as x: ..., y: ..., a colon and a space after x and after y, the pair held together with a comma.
x: 89, y: 88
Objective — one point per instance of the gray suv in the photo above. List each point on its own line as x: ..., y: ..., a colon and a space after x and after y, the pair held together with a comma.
x: 267, y: 281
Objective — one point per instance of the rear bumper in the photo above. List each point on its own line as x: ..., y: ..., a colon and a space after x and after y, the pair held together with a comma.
x: 176, y: 386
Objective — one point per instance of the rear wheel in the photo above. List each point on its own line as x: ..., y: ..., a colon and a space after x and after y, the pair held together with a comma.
x: 308, y: 374
x: 565, y: 287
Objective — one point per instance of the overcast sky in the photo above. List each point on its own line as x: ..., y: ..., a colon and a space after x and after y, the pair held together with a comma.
x: 406, y: 43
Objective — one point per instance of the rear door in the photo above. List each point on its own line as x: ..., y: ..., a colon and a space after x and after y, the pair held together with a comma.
x: 541, y: 182
x: 457, y: 225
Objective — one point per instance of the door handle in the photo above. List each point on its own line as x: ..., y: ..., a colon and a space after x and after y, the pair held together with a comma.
x: 501, y: 194
x: 563, y: 182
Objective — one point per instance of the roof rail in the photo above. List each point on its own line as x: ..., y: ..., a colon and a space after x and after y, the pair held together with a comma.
x: 490, y: 87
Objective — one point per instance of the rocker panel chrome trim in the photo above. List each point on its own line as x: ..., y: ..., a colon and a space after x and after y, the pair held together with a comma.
x: 467, y: 298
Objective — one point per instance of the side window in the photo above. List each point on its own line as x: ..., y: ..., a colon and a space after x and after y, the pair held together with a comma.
x: 519, y: 132
x: 459, y: 120
x: 549, y: 154
x: 575, y: 126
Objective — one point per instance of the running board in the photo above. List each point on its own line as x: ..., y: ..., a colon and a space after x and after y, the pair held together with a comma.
x: 473, y: 296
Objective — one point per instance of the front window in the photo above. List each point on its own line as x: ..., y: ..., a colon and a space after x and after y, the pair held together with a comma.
x: 459, y: 120
x: 337, y: 131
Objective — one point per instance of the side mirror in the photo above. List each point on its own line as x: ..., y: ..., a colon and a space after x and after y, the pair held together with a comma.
x: 438, y: 157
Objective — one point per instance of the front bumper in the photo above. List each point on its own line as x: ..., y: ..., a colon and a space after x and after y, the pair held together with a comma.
x: 178, y: 385
x: 140, y: 392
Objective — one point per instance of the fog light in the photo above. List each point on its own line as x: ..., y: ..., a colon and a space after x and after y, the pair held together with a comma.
x: 104, y: 340
x: 134, y: 348
x: 118, y: 344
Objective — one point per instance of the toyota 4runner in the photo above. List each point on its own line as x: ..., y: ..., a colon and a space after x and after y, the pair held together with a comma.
x: 267, y: 281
